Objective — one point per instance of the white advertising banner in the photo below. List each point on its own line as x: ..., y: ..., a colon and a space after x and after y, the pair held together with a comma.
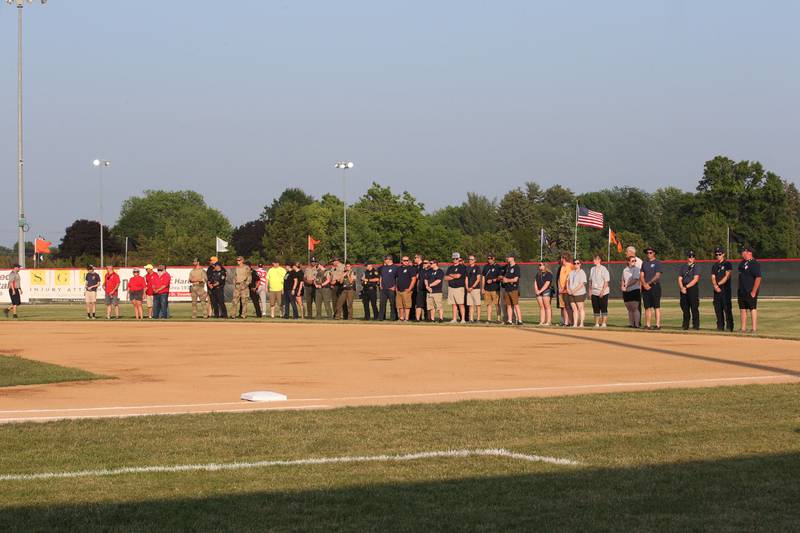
x: 69, y: 283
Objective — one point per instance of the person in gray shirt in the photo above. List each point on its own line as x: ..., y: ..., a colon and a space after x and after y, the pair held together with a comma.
x: 14, y: 292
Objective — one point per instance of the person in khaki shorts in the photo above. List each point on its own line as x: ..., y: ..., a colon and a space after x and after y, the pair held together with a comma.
x: 275, y: 279
x: 473, y: 287
x: 406, y: 281
x: 197, y: 288
x: 455, y: 276
x: 241, y: 288
x: 434, y: 282
x: 510, y: 281
x: 92, y: 283
x: 490, y: 288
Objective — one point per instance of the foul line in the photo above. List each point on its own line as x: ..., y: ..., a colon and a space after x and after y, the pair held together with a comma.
x: 217, y: 467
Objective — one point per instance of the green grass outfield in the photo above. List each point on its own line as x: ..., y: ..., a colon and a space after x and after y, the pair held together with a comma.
x: 777, y: 318
x: 716, y: 459
x: 19, y: 371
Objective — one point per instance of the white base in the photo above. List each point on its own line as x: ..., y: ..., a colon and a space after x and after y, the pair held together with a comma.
x: 263, y: 396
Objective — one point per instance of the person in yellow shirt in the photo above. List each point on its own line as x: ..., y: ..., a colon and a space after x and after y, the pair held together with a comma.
x: 275, y: 276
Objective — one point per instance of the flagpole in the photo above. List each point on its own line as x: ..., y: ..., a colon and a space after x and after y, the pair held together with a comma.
x: 728, y: 243
x: 608, y: 254
x: 575, y: 250
x: 541, y: 244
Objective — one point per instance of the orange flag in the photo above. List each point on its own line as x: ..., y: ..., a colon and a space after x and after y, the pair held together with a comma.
x: 612, y: 237
x: 312, y: 243
x: 41, y: 246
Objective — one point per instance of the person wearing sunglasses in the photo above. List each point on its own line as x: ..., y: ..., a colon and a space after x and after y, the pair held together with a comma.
x: 721, y: 281
x: 650, y: 279
x: 490, y: 288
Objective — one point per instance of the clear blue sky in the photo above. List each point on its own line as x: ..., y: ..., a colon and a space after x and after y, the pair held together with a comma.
x: 239, y: 100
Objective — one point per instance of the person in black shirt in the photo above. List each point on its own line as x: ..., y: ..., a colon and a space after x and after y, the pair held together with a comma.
x: 406, y: 281
x: 216, y: 286
x: 689, y: 286
x: 542, y: 288
x: 510, y: 281
x: 421, y: 299
x: 490, y: 288
x: 388, y: 286
x: 254, y: 279
x: 455, y: 276
x: 289, y: 288
x: 721, y: 274
x: 370, y: 282
x: 650, y: 280
x: 473, y: 288
x: 749, y: 285
x: 434, y: 282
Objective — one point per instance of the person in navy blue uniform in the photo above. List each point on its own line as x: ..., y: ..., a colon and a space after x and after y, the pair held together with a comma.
x: 370, y: 282
x: 490, y: 288
x: 689, y: 285
x: 721, y: 280
x: 650, y: 280
x: 421, y: 298
x: 473, y: 287
x: 388, y: 287
x: 749, y: 285
x: 434, y: 282
x: 406, y: 280
x: 510, y: 281
x: 456, y: 275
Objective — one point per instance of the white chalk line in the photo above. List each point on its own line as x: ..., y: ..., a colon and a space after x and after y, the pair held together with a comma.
x: 254, y: 408
x: 217, y: 467
x: 407, y: 395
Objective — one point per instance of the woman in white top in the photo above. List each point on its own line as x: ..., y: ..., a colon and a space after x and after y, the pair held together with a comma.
x: 631, y: 292
x: 576, y: 288
x: 598, y: 283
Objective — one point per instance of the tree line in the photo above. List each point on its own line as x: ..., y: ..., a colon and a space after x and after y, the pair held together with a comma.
x: 759, y: 207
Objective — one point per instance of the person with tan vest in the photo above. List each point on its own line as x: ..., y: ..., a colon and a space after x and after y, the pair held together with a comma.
x: 241, y: 288
x: 198, y: 278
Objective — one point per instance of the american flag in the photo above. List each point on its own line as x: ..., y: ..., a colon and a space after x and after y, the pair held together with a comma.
x: 590, y: 219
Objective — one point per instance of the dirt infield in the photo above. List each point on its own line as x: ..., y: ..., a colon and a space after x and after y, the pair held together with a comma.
x: 202, y: 367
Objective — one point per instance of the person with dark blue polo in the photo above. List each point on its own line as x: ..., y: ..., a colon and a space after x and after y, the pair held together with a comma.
x: 388, y: 286
x: 650, y: 281
x: 456, y: 277
x: 490, y: 288
x: 689, y: 286
x: 749, y: 285
x: 721, y: 280
x: 406, y: 280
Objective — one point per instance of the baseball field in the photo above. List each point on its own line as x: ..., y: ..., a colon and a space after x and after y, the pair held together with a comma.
x: 124, y: 426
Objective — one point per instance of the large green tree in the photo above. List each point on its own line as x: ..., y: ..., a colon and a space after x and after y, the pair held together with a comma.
x: 172, y: 227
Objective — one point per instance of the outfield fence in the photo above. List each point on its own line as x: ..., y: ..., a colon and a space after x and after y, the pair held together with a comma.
x: 781, y: 279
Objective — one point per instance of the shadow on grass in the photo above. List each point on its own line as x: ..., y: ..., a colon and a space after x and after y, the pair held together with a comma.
x: 752, y: 493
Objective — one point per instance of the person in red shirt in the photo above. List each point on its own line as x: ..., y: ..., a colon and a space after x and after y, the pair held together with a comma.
x: 150, y: 278
x: 136, y: 287
x: 111, y: 288
x: 161, y: 293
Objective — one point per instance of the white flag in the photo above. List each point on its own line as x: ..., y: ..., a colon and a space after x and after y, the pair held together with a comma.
x: 222, y: 246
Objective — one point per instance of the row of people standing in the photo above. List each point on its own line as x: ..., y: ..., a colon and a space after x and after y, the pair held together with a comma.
x: 641, y: 285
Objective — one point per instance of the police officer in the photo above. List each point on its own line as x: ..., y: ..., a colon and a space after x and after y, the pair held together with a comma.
x: 209, y: 305
x: 388, y: 286
x: 255, y: 281
x: 198, y: 278
x: 749, y: 285
x: 370, y: 282
x: 216, y: 285
x: 241, y: 287
x: 344, y: 302
x: 337, y: 284
x: 309, y: 287
x: 721, y: 274
x: 322, y: 282
x: 689, y: 285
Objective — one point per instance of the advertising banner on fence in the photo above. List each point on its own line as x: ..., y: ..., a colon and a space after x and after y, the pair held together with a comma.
x: 68, y: 284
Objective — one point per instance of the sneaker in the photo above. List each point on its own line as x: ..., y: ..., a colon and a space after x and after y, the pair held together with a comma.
x: 597, y: 325
x: 454, y: 321
x: 603, y: 325
x: 509, y: 323
x: 520, y: 323
x: 463, y: 321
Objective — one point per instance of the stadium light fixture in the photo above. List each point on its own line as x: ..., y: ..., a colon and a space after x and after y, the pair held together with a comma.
x: 344, y: 166
x: 21, y: 222
x: 101, y: 164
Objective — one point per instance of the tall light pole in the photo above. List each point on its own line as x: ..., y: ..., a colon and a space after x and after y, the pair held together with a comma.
x: 101, y: 164
x: 345, y: 166
x: 21, y: 222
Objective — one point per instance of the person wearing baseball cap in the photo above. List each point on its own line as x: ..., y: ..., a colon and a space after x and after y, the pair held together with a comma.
x: 749, y: 285
x: 456, y: 275
x: 721, y: 280
x: 151, y: 280
x: 688, y: 284
x: 92, y: 279
x: 388, y: 287
x: 650, y: 278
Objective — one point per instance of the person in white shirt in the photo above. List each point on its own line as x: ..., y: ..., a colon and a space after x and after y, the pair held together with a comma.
x: 598, y: 282
x: 576, y: 288
x: 631, y: 292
